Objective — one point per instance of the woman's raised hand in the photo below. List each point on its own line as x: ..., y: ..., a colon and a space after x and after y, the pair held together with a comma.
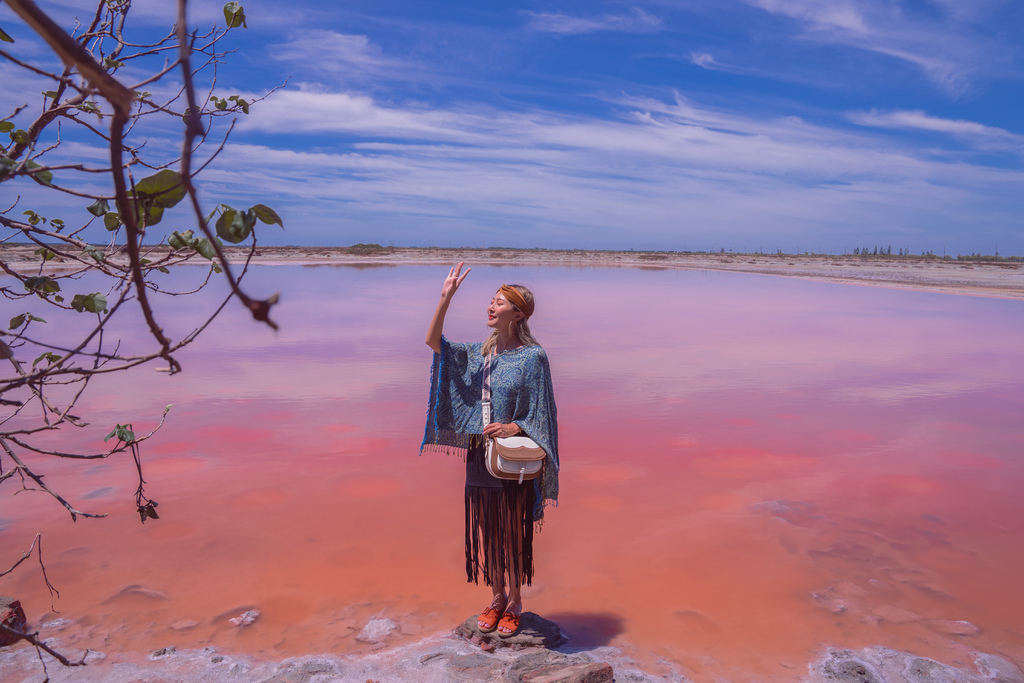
x: 452, y: 282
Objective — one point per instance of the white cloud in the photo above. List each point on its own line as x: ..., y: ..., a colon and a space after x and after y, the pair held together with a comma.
x: 702, y: 59
x: 944, y: 47
x: 919, y: 120
x: 323, y: 50
x: 637, y: 21
x: 669, y: 166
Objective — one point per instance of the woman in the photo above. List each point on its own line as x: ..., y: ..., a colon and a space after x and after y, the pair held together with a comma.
x: 500, y: 514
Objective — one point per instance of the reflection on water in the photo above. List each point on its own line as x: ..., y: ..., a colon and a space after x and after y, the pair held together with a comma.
x: 754, y: 468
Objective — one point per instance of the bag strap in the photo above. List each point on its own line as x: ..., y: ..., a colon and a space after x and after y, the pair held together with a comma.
x: 486, y: 394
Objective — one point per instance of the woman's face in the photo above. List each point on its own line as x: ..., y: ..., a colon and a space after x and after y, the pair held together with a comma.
x: 500, y: 313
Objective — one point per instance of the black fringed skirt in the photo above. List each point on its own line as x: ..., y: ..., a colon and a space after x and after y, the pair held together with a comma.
x: 499, y: 525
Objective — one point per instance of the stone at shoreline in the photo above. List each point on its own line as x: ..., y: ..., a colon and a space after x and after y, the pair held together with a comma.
x: 376, y: 630
x: 475, y: 667
x: 534, y: 631
x: 183, y: 625
x: 140, y: 590
x: 883, y: 665
x: 246, y: 618
x: 572, y: 673
x: 316, y: 669
x: 12, y: 616
x: 545, y: 666
x: 953, y: 628
x: 897, y: 615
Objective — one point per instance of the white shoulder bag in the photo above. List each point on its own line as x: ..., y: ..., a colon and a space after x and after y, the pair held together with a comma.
x: 513, y: 457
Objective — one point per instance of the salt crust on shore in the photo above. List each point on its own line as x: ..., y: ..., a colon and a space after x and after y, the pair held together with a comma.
x: 441, y: 658
x: 1002, y: 279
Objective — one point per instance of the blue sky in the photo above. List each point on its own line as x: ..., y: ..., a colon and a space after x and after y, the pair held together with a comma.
x: 738, y: 124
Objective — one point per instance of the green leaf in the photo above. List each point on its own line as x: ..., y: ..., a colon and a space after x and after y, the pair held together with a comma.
x: 98, y: 207
x: 146, y: 262
x: 45, y: 254
x: 49, y: 357
x: 217, y: 269
x: 112, y: 63
x: 267, y: 215
x: 165, y: 187
x: 95, y: 252
x: 94, y: 303
x: 52, y: 94
x: 6, y: 127
x: 234, y: 226
x: 234, y: 15
x: 179, y: 240
x: 122, y: 432
x: 41, y: 285
x: 42, y: 177
x: 111, y: 221
x: 4, y: 37
x: 19, y: 320
x: 21, y: 137
x: 204, y: 248
x: 57, y: 223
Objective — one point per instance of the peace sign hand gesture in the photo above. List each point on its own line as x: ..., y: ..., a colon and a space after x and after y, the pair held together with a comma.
x: 452, y: 282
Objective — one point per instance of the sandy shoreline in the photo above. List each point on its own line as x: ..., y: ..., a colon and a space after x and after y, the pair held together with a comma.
x: 1003, y: 279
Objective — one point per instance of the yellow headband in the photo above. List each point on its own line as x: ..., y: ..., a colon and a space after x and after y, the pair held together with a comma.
x: 516, y: 299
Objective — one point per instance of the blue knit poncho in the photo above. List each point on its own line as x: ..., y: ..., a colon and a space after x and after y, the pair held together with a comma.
x: 520, y: 392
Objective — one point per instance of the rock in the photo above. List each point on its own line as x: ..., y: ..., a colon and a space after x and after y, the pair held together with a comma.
x: 310, y: 670
x: 842, y: 666
x: 998, y: 669
x: 246, y: 618
x: 829, y: 602
x: 474, y: 667
x: 597, y: 672
x: 183, y: 625
x: 12, y: 616
x: 897, y: 615
x: 537, y: 659
x: 922, y: 670
x: 376, y: 630
x: 534, y: 631
x: 409, y: 629
x: 57, y: 624
x: 163, y: 652
x: 953, y: 628
x: 432, y: 656
x: 140, y: 590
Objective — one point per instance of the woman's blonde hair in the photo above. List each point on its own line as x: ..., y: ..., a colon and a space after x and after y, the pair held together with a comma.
x: 521, y: 331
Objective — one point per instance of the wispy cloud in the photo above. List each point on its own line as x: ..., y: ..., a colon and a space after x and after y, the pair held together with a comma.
x: 324, y: 50
x: 919, y: 120
x: 665, y: 164
x: 941, y: 45
x: 636, y: 21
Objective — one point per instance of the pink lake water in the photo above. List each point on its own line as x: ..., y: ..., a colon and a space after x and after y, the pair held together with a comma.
x: 754, y: 469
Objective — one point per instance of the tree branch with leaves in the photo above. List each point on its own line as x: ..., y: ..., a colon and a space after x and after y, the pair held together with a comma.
x: 50, y: 360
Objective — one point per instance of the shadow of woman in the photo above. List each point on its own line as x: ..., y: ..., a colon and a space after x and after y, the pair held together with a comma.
x: 588, y: 631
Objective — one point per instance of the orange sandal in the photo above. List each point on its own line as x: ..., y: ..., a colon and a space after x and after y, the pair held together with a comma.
x: 509, y: 620
x: 489, y: 616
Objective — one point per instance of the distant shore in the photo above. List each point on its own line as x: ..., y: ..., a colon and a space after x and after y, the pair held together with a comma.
x: 1003, y: 278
